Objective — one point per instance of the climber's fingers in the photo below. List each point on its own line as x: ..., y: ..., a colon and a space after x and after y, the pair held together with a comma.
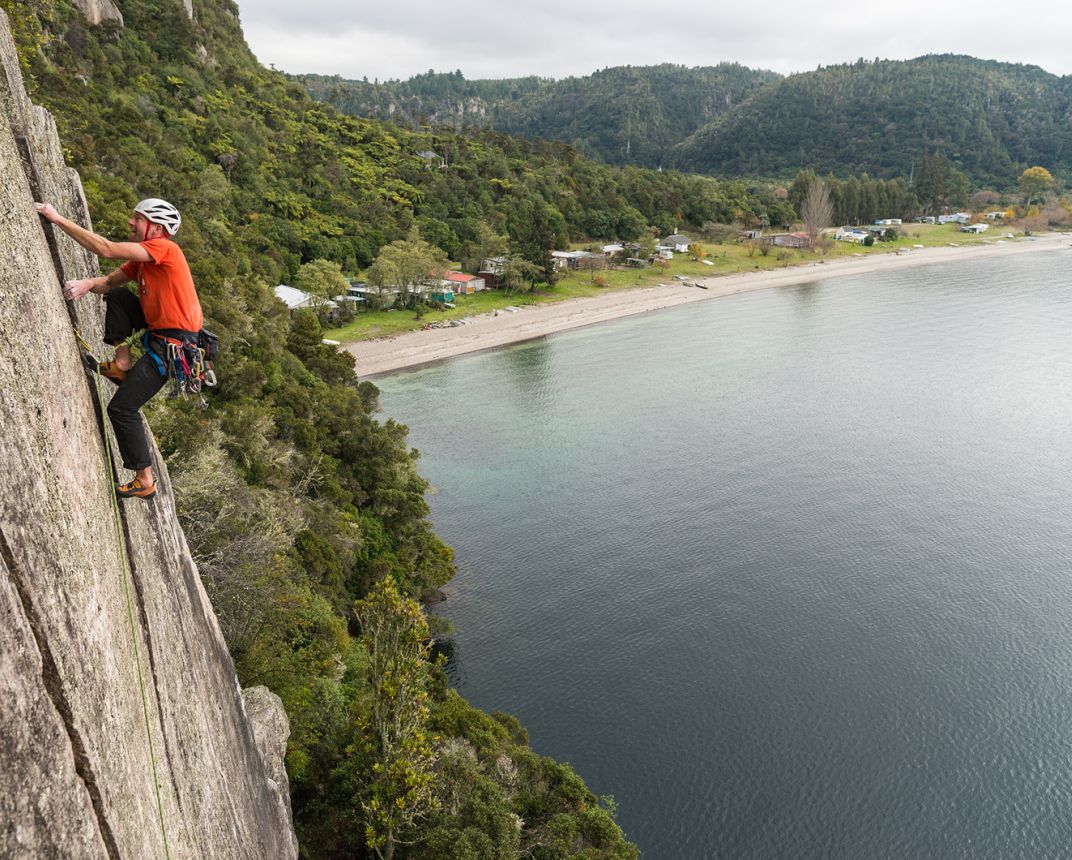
x: 76, y: 289
x: 46, y: 211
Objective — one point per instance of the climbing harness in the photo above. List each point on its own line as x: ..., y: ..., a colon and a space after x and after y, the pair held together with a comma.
x: 186, y: 362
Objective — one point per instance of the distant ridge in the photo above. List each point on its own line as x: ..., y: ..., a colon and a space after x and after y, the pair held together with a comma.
x: 990, y: 119
x: 620, y: 115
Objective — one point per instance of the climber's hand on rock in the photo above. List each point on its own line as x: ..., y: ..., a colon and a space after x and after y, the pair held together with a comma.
x: 47, y: 211
x: 76, y: 289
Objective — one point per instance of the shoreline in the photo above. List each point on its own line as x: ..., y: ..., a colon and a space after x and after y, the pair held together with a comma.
x: 488, y: 331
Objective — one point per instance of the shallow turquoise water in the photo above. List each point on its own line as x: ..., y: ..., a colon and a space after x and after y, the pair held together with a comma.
x: 786, y: 573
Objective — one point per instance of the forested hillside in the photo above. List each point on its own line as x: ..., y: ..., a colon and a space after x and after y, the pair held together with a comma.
x: 989, y: 120
x: 621, y: 115
x: 305, y: 513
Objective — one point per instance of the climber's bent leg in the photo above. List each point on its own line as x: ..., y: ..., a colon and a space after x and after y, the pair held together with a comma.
x: 122, y: 317
x: 140, y: 384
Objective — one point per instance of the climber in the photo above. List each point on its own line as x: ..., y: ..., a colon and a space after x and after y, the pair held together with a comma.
x: 166, y: 305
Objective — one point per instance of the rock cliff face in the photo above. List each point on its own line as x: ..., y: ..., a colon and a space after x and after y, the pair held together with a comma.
x: 123, y: 732
x: 99, y: 11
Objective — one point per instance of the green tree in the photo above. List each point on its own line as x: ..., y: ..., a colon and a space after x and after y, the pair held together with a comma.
x: 518, y: 273
x: 1035, y: 182
x: 537, y: 228
x: 799, y: 189
x: 958, y: 188
x: 323, y: 278
x: 932, y: 187
x: 405, y: 265
x: 485, y: 244
x: 400, y: 785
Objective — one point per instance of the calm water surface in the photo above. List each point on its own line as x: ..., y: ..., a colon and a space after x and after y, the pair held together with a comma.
x: 786, y: 573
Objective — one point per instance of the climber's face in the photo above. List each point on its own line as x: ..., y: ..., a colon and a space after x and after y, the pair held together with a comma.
x: 141, y: 228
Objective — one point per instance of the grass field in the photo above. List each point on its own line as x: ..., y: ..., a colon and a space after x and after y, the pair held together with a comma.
x: 722, y: 259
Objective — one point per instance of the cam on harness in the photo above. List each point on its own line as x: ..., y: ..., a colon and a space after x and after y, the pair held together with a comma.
x: 184, y: 357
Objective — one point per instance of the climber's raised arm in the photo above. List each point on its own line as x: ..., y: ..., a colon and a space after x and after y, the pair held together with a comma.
x: 92, y: 242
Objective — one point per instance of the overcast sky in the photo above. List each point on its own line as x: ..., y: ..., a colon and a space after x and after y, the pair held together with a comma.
x: 558, y: 38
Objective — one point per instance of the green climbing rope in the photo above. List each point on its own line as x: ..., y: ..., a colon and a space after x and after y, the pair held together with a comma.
x: 125, y: 568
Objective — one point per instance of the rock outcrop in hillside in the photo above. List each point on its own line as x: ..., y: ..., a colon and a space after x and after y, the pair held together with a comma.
x: 98, y: 11
x: 123, y: 732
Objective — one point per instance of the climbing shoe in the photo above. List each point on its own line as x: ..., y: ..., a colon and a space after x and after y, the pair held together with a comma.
x: 135, y: 490
x: 107, y: 369
x: 111, y: 370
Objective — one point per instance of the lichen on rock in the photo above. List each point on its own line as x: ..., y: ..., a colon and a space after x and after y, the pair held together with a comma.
x: 122, y: 726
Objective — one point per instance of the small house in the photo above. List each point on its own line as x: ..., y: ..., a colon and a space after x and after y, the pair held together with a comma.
x: 562, y: 260
x: 855, y: 235
x: 790, y: 240
x: 676, y: 242
x: 491, y: 272
x: 613, y: 250
x: 577, y: 260
x: 463, y: 284
x: 974, y: 228
x: 296, y: 299
x: 356, y: 294
x: 590, y: 260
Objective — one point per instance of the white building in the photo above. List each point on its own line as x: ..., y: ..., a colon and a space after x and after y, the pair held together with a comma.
x: 295, y: 299
x: 851, y: 234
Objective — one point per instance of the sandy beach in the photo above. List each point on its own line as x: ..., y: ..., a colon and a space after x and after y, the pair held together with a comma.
x: 488, y: 331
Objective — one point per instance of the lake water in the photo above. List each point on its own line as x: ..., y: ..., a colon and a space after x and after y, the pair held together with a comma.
x: 787, y: 573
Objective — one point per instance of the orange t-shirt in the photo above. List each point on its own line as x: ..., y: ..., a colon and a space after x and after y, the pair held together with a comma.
x: 166, y: 287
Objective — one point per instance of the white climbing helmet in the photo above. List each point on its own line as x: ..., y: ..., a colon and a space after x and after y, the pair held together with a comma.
x: 160, y: 212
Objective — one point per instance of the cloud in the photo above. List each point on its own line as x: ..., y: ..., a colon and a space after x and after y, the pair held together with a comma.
x: 560, y: 38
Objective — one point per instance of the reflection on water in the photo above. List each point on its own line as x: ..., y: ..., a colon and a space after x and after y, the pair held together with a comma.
x: 786, y: 573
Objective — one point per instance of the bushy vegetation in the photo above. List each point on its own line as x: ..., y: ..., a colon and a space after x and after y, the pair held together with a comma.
x: 859, y: 199
x: 305, y: 513
x: 989, y: 120
x: 621, y: 115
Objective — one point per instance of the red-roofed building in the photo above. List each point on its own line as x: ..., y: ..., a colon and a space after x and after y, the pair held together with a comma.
x: 462, y: 283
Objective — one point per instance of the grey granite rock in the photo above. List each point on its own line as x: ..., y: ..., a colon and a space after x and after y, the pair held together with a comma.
x: 122, y: 725
x: 99, y: 11
x: 271, y: 730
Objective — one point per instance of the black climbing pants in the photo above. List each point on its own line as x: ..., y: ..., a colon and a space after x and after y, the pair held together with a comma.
x: 122, y: 317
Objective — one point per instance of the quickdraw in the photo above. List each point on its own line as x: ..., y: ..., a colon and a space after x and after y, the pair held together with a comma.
x: 185, y: 364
